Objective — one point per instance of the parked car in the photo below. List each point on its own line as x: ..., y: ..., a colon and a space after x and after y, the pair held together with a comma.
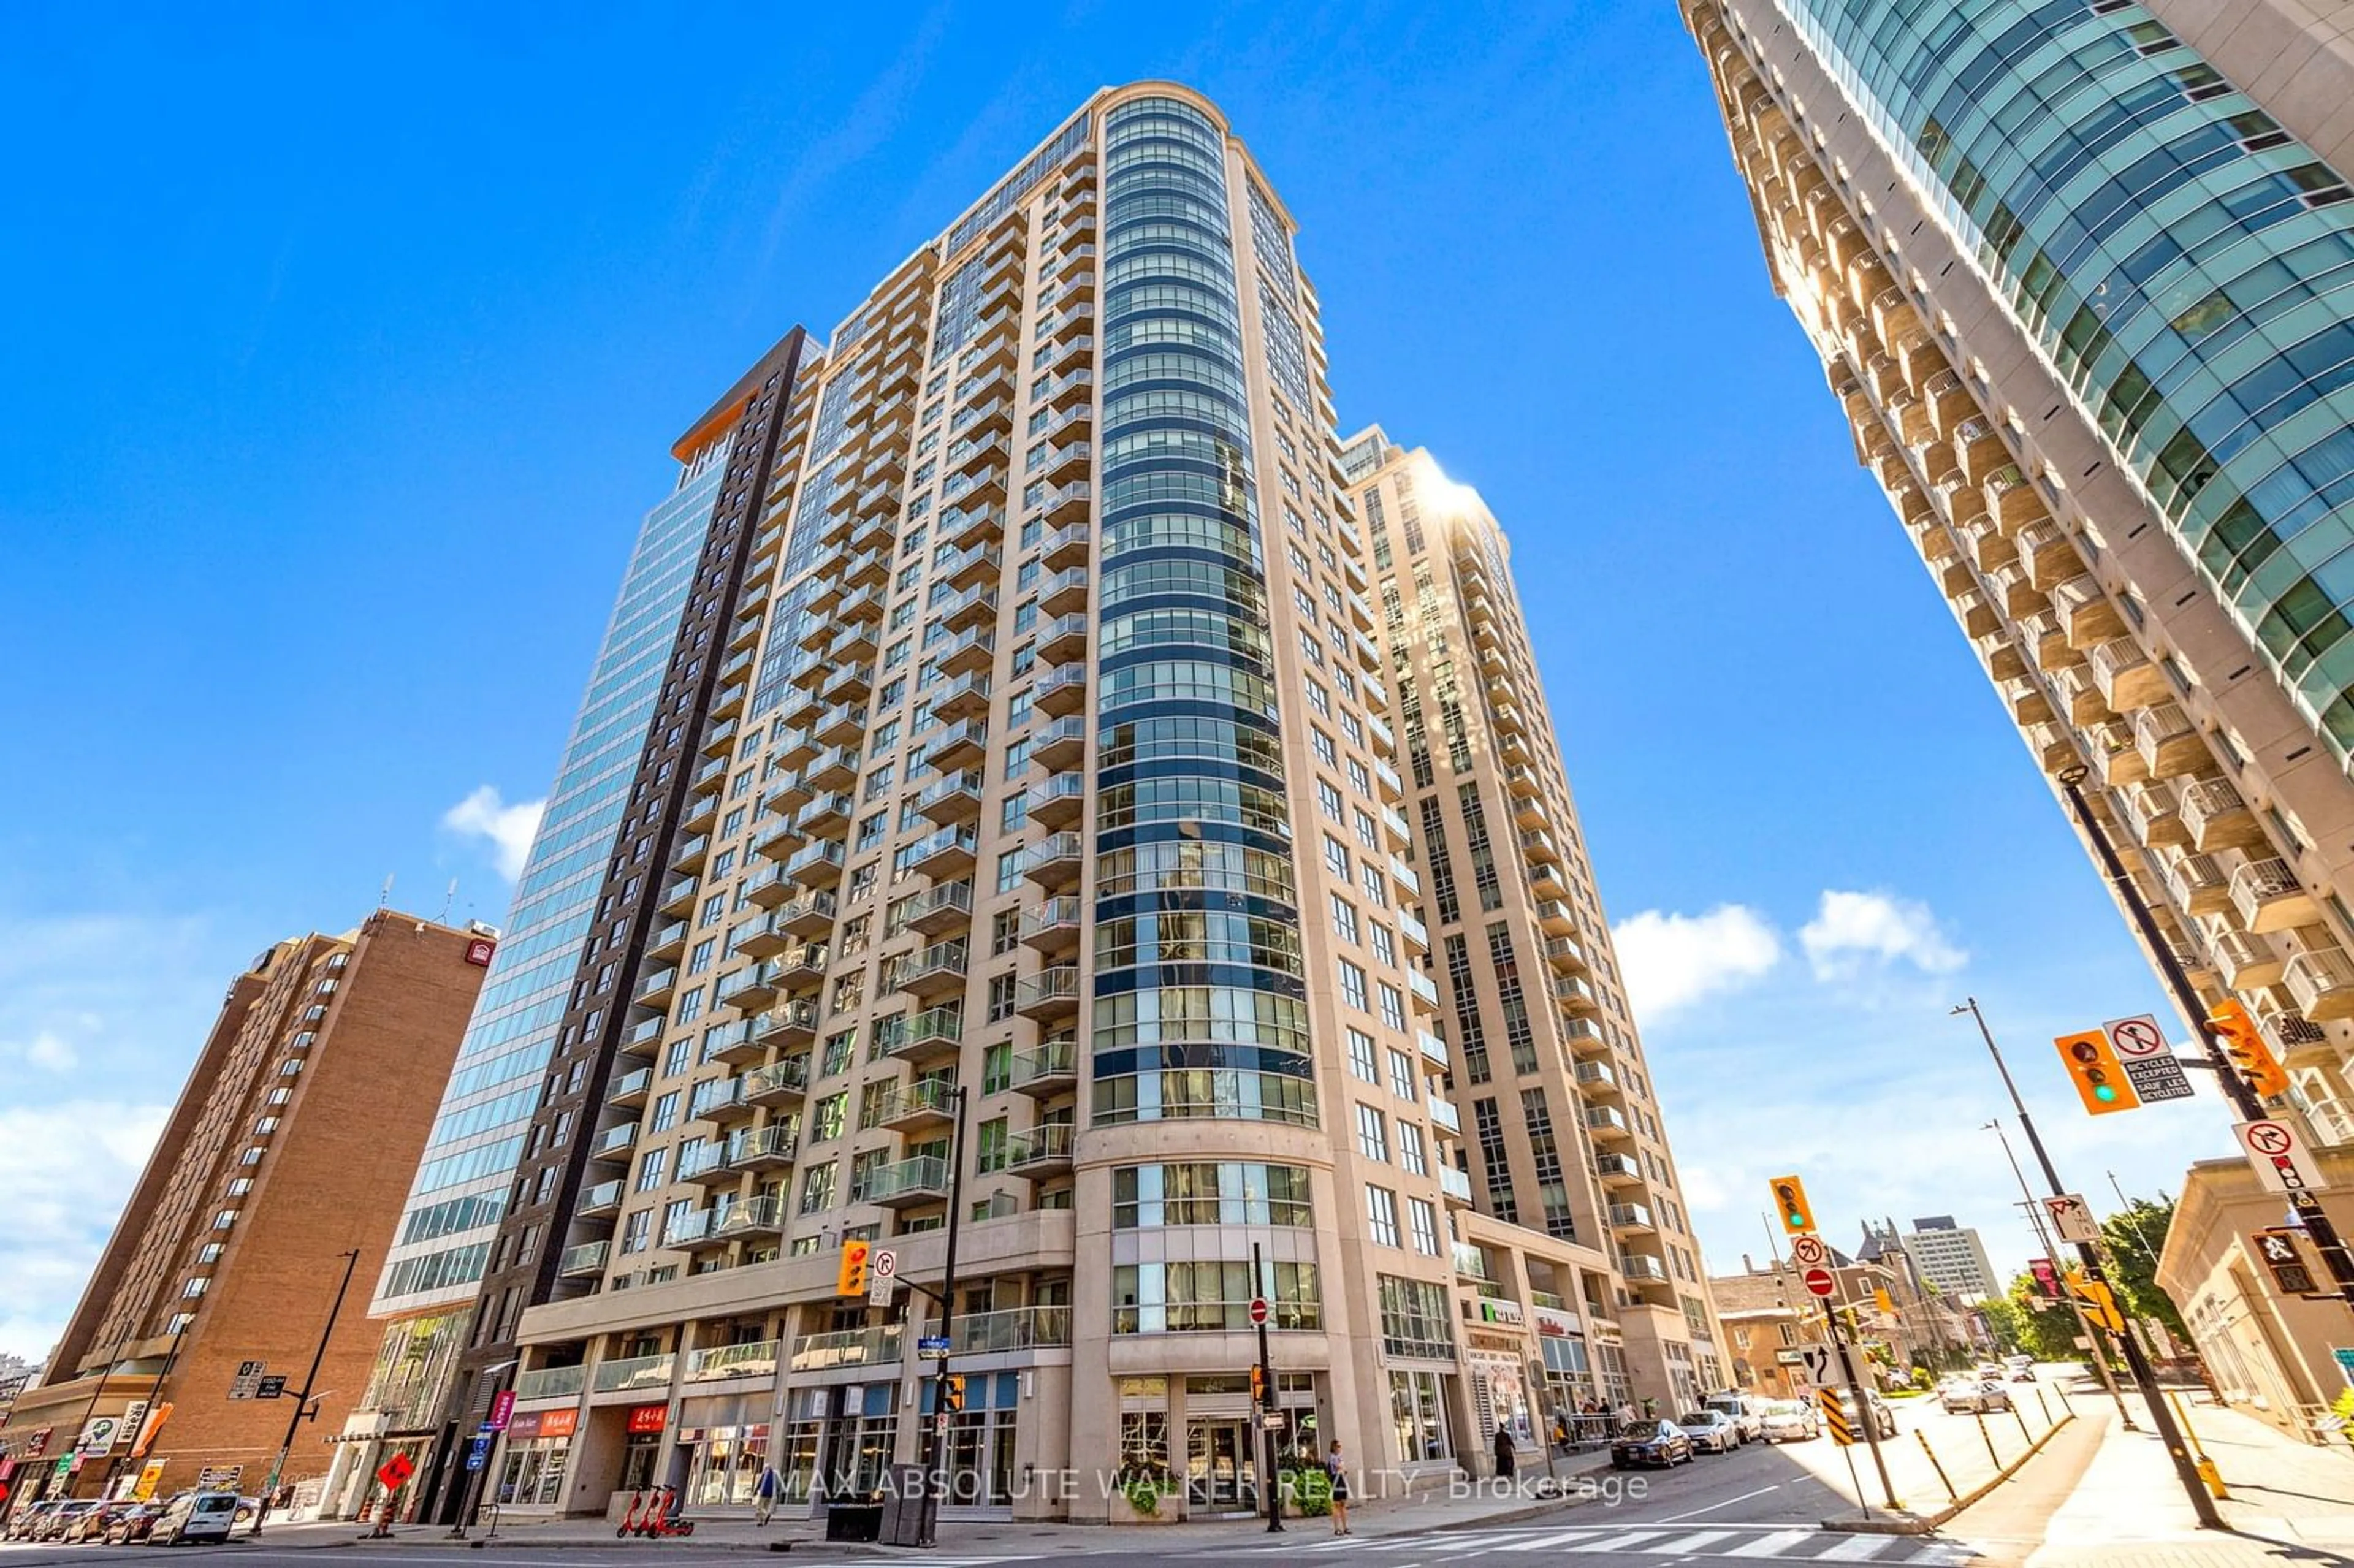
x: 1642, y: 1443
x: 1711, y: 1431
x: 63, y: 1515
x: 135, y: 1524
x: 93, y: 1525
x: 1746, y: 1410
x: 1790, y: 1421
x: 27, y: 1522
x: 196, y: 1516
x: 1884, y: 1418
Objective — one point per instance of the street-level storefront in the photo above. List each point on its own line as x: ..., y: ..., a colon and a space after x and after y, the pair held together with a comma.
x: 1420, y: 1399
x: 536, y: 1458
x: 837, y: 1438
x: 1195, y: 1432
x: 723, y: 1443
x: 981, y: 1439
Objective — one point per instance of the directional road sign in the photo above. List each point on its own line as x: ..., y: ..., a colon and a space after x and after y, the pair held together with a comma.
x: 932, y: 1345
x: 1821, y: 1363
x: 2150, y: 1063
x: 272, y: 1387
x: 2280, y: 1157
x: 2072, y: 1218
x: 1809, y: 1251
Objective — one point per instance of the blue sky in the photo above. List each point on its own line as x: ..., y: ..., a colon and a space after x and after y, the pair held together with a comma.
x: 349, y: 347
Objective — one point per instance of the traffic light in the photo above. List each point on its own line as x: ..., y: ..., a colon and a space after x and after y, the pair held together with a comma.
x: 1258, y: 1383
x: 1791, y: 1204
x: 953, y: 1393
x: 852, y: 1279
x: 2092, y: 1066
x: 2279, y: 1250
x: 1880, y: 1300
x: 2234, y: 1029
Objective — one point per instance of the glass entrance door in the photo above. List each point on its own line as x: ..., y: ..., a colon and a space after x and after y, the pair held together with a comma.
x: 1221, y: 1465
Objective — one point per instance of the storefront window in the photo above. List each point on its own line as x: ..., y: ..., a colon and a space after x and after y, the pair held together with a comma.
x: 532, y: 1475
x: 1418, y: 1415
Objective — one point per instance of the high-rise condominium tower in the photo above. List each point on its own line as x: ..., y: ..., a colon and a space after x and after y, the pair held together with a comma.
x: 2078, y: 272
x: 490, y: 1204
x: 1565, y: 1130
x: 1045, y: 915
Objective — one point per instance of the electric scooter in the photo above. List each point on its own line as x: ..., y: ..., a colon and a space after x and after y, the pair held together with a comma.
x: 664, y: 1520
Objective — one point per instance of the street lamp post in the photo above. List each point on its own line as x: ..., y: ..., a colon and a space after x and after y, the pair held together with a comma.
x: 2034, y: 1211
x: 302, y: 1409
x: 2145, y: 1378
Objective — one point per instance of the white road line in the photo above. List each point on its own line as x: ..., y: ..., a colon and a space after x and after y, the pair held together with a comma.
x: 1625, y: 1541
x: 1776, y: 1544
x: 1543, y: 1542
x: 1941, y: 1555
x: 1698, y: 1541
x: 1728, y: 1502
x: 1854, y: 1548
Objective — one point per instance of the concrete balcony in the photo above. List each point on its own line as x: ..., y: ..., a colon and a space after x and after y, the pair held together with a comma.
x: 2245, y: 962
x: 2025, y: 699
x: 773, y: 1148
x: 959, y: 747
x: 965, y: 697
x: 2298, y: 1040
x: 937, y: 911
x: 1060, y: 745
x: 919, y: 1106
x: 2269, y: 897
x: 1057, y: 800
x: 1056, y: 862
x: 632, y: 1374
x: 1631, y: 1219
x: 2015, y: 593
x: 935, y: 1035
x: 2126, y: 676
x: 968, y: 653
x: 842, y: 1348
x: 810, y: 915
x: 2049, y: 557
x: 2054, y: 747
x: 615, y: 1145
x: 1596, y: 1079
x: 1042, y: 1151
x: 2012, y: 500
x: 586, y: 1259
x: 2153, y: 813
x: 2115, y: 758
x: 2218, y: 817
x: 2198, y: 884
x: 750, y: 989
x: 779, y: 1085
x: 723, y: 1363
x: 1049, y: 996
x: 1606, y: 1123
x: 1010, y: 1328
x: 748, y: 1220
x: 657, y: 988
x: 2169, y: 744
x: 1617, y: 1170
x: 1064, y: 639
x: 1977, y: 613
x: 604, y: 1198
x: 790, y: 1023
x: 629, y: 1091
x: 904, y: 1183
x: 1050, y: 1070
x: 1453, y: 1187
x: 1999, y: 655
x: 719, y: 1101
x: 2046, y: 641
x: 2080, y: 696
x: 818, y: 865
x: 947, y: 853
x: 1053, y: 927
x: 2087, y: 616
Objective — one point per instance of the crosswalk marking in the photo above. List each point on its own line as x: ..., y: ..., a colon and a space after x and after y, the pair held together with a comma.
x: 1776, y: 1544
x: 1697, y: 1542
x: 1854, y: 1548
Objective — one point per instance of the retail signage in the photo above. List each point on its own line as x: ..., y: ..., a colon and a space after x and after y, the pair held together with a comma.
x: 558, y: 1422
x: 649, y: 1418
x: 479, y: 951
x: 502, y: 1411
x: 524, y: 1424
x: 1554, y: 1323
x: 1494, y: 1309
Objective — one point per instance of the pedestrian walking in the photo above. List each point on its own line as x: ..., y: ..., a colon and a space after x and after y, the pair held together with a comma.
x: 1505, y: 1452
x: 1336, y: 1472
x: 764, y: 1495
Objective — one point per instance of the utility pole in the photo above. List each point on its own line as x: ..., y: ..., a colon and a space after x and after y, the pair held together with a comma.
x: 936, y: 1445
x: 2161, y: 1416
x: 302, y: 1401
x: 1863, y: 1411
x: 2309, y: 1211
x: 2034, y: 1212
x: 2133, y: 1218
x: 155, y: 1391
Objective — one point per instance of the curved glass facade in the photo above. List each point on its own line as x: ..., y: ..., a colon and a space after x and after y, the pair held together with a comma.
x: 2183, y: 261
x: 1200, y: 1005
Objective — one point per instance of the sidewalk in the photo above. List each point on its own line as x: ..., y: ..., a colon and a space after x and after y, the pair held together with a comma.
x: 2290, y: 1502
x: 1469, y: 1505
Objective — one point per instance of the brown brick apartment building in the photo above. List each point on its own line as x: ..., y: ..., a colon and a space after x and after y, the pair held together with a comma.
x: 293, y: 1143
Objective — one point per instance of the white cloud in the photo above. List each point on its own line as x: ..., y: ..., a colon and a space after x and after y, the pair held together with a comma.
x: 509, y: 829
x: 1854, y: 932
x: 47, y: 1050
x: 1672, y: 961
x: 68, y: 1168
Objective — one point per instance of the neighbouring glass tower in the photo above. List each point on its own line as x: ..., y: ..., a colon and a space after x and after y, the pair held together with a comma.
x: 2079, y: 274
x: 508, y: 1152
x: 1049, y: 893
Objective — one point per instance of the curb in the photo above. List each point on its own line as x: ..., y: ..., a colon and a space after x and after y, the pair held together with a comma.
x: 1906, y: 1522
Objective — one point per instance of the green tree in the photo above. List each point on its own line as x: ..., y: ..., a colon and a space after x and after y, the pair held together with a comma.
x: 2135, y: 1236
x: 2032, y: 1323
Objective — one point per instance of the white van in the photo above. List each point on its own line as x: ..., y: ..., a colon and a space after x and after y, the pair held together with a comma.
x: 1746, y: 1411
x: 196, y: 1516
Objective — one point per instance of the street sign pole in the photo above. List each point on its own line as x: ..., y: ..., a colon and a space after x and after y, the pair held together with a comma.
x: 936, y: 1430
x: 303, y: 1403
x: 2186, y: 1468
x: 1266, y: 1485
x: 1862, y: 1410
x: 2309, y: 1211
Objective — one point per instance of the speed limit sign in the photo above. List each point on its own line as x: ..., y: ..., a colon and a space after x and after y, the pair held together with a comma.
x: 1809, y: 1251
